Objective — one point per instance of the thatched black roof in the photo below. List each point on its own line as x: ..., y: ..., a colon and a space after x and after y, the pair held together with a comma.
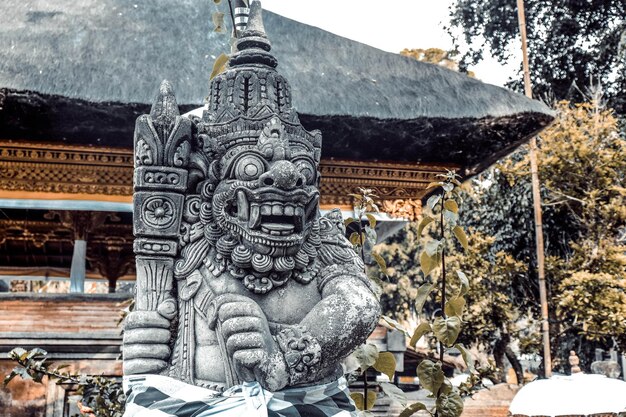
x: 82, y: 71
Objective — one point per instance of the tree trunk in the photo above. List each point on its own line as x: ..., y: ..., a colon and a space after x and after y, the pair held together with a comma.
x: 517, y: 367
x: 498, y: 355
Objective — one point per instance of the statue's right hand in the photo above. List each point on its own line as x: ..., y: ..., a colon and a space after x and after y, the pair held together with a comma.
x: 146, y: 343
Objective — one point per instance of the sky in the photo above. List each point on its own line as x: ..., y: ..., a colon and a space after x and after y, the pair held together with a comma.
x: 390, y: 25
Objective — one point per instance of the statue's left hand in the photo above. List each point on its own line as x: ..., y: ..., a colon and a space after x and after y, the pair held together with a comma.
x: 248, y: 340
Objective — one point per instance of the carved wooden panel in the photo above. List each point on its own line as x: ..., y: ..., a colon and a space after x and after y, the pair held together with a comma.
x: 95, y: 172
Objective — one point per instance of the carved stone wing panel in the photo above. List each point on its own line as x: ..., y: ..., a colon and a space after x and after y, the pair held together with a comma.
x: 162, y: 152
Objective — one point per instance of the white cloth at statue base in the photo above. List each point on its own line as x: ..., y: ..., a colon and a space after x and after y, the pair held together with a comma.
x: 160, y: 396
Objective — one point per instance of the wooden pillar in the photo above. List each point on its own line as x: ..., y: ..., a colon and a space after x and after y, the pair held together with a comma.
x: 77, y: 271
x: 112, y: 262
x: 112, y: 285
x: 543, y: 297
x: 81, y: 223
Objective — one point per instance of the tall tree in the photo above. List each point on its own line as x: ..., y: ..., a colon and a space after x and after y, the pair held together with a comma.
x: 582, y: 164
x: 572, y: 43
x: 437, y: 56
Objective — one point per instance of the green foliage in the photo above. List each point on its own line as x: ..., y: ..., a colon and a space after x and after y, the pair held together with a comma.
x: 220, y: 65
x: 366, y: 356
x: 583, y: 164
x: 467, y: 357
x: 486, y: 302
x: 494, y: 310
x: 474, y: 383
x: 422, y: 329
x: 430, y: 375
x: 447, y: 329
x: 386, y: 364
x: 570, y: 43
x: 435, y: 56
x: 443, y: 220
x: 101, y: 396
x: 359, y: 400
x: 407, y: 291
x: 449, y: 404
x: 412, y: 409
x: 395, y: 393
x: 582, y: 167
x: 364, y: 238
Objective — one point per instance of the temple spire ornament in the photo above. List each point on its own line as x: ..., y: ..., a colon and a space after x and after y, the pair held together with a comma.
x: 165, y: 105
x: 253, y: 45
x: 235, y: 264
x: 241, y: 12
x: 255, y: 19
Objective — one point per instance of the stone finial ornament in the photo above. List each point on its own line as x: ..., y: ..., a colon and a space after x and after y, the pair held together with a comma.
x: 239, y: 278
x: 574, y: 361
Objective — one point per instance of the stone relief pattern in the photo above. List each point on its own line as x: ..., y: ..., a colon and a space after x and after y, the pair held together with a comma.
x: 301, y: 351
x: 160, y: 181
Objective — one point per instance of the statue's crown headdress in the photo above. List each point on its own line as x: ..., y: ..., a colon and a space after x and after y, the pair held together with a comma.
x: 251, y: 93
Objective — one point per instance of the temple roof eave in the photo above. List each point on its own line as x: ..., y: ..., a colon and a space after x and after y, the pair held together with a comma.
x: 70, y: 75
x: 469, y: 143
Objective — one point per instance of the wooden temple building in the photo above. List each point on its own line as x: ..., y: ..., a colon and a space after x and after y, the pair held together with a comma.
x: 74, y: 76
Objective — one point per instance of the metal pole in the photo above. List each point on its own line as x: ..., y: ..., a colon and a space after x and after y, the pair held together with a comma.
x: 545, y: 329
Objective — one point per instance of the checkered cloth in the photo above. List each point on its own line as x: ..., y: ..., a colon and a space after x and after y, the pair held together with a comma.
x: 324, y: 400
x: 160, y: 396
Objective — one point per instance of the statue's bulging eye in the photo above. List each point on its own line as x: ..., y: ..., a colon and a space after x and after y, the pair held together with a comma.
x: 307, y: 169
x: 249, y: 168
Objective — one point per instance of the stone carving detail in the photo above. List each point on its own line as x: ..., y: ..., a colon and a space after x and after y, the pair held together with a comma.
x: 608, y: 368
x: 408, y: 209
x: 302, y: 353
x: 574, y: 362
x: 158, y: 212
x: 239, y: 278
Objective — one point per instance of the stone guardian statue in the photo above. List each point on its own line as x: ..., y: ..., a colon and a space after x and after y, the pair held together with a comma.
x: 239, y: 277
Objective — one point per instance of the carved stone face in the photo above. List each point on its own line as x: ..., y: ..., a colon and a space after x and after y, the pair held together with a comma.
x: 267, y: 201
